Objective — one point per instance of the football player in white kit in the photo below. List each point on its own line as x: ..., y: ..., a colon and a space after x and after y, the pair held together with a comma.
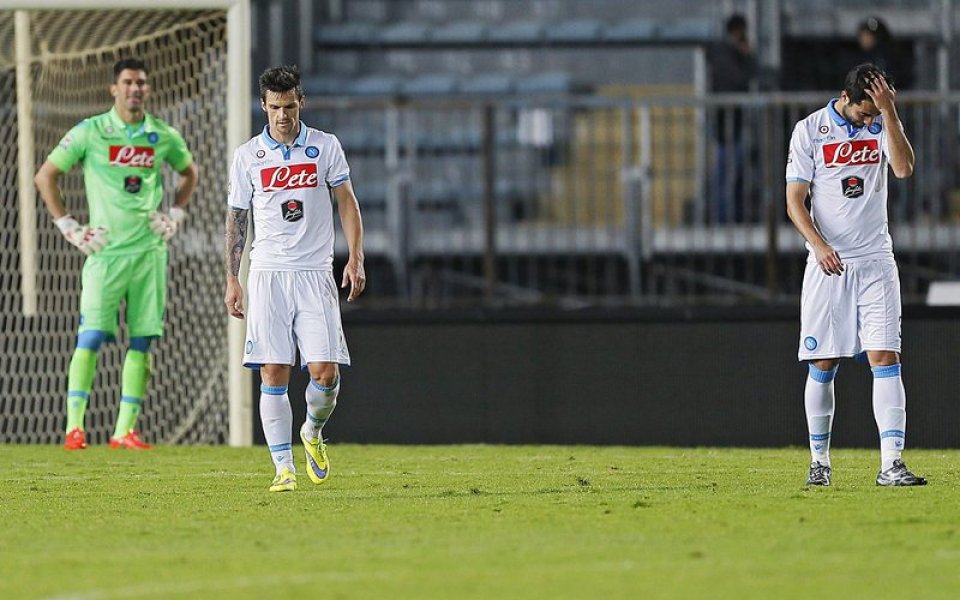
x: 851, y: 289
x: 285, y: 176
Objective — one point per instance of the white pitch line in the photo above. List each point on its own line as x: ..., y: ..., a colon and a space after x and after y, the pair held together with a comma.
x: 190, y: 587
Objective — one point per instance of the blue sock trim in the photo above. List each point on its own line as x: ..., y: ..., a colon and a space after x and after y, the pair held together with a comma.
x: 822, y: 376
x: 887, y: 371
x: 280, y: 447
x: 130, y: 399
x: 819, y: 437
x: 273, y: 390
x: 324, y: 388
x: 313, y: 419
x: 892, y: 433
x: 91, y: 340
x: 140, y: 344
x: 77, y: 394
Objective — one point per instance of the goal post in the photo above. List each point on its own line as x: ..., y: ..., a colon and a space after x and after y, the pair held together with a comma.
x: 57, y: 55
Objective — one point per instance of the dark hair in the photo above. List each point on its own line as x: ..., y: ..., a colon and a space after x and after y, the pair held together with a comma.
x: 128, y: 63
x: 736, y: 22
x: 859, y: 79
x: 279, y: 80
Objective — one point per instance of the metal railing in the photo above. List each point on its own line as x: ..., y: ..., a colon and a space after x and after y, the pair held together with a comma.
x: 613, y: 201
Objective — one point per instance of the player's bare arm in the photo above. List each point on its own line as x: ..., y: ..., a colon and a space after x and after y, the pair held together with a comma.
x: 46, y: 182
x: 352, y: 223
x: 235, y: 238
x: 827, y: 257
x: 902, y: 157
x: 88, y: 240
x: 185, y: 188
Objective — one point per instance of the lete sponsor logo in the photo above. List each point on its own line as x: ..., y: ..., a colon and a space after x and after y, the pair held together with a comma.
x: 289, y: 177
x: 132, y: 156
x: 857, y: 152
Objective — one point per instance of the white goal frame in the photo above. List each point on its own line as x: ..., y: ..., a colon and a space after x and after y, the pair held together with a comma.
x: 237, y: 128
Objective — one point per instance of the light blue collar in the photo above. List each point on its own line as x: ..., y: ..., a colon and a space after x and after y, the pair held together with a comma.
x: 274, y: 144
x: 839, y: 119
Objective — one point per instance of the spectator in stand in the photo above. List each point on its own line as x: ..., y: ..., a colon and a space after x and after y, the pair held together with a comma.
x: 733, y: 69
x: 878, y: 46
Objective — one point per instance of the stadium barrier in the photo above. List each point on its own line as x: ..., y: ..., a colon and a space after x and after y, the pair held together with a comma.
x: 691, y: 377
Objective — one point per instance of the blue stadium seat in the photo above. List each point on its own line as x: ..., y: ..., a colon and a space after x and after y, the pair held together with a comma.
x: 358, y: 139
x: 577, y: 31
x: 376, y: 85
x: 517, y: 32
x: 688, y: 30
x: 405, y: 34
x: 371, y: 194
x: 546, y: 83
x: 465, y: 32
x: 346, y: 34
x: 430, y: 85
x: 325, y: 85
x: 494, y: 85
x: 631, y: 30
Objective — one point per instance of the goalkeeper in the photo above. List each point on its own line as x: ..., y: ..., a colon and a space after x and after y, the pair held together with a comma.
x: 125, y: 242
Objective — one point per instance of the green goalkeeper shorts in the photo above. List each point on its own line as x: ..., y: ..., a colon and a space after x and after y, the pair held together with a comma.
x: 140, y: 279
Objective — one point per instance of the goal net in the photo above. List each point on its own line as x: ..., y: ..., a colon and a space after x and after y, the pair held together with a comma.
x: 72, y: 53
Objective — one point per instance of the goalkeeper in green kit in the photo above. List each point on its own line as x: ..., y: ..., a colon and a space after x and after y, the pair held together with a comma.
x: 121, y: 152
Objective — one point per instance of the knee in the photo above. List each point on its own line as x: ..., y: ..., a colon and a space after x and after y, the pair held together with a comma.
x: 827, y: 364
x: 883, y: 359
x: 324, y: 374
x: 274, y: 375
x: 326, y: 381
x: 91, y: 340
x: 140, y: 344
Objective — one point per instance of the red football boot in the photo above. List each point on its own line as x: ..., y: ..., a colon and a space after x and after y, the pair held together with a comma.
x: 76, y: 440
x: 131, y: 441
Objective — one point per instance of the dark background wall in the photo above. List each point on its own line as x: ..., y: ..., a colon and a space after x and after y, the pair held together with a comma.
x: 685, y: 378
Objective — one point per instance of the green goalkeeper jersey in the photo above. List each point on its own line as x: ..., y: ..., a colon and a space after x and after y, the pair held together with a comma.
x: 121, y: 172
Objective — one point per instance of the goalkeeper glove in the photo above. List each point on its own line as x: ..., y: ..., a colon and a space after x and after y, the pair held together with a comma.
x: 88, y: 239
x: 166, y: 224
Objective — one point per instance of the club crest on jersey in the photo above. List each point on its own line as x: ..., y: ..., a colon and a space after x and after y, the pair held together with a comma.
x: 850, y: 153
x: 152, y: 137
x: 312, y: 152
x: 292, y: 210
x: 132, y: 184
x: 852, y: 187
x: 289, y: 177
x: 132, y: 156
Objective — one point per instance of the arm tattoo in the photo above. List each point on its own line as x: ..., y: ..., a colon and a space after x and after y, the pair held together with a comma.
x: 236, y: 236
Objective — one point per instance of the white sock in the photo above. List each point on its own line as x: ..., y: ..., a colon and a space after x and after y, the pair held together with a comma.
x: 889, y: 409
x: 277, y: 418
x: 818, y: 400
x: 320, y: 404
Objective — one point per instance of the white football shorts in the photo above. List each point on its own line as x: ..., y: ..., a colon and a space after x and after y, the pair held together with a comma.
x: 287, y: 310
x: 841, y: 316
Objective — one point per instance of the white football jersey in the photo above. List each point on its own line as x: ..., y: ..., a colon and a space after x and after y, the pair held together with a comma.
x: 287, y: 191
x: 846, y: 168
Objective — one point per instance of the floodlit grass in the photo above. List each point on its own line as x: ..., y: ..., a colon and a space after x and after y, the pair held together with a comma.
x: 474, y: 522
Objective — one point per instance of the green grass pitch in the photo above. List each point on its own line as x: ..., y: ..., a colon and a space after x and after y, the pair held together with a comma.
x: 490, y: 522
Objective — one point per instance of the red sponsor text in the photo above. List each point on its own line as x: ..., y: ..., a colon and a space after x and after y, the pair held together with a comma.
x: 132, y: 156
x: 856, y: 152
x: 289, y: 177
